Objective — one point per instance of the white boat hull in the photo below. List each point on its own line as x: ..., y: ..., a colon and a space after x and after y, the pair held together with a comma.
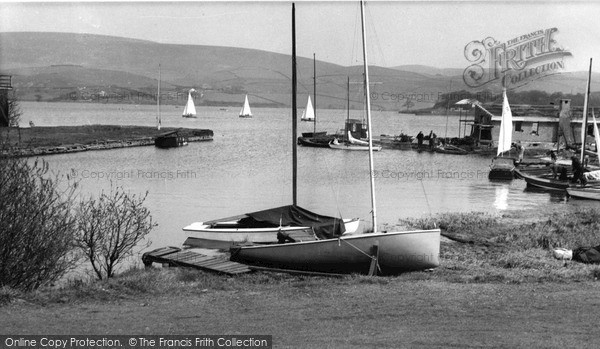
x: 202, y: 235
x: 353, y: 147
x: 584, y: 193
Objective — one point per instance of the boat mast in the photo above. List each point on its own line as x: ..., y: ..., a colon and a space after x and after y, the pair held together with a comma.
x: 294, y: 111
x: 314, y: 94
x: 368, y: 106
x: 348, y: 107
x: 584, y: 119
x: 158, y: 99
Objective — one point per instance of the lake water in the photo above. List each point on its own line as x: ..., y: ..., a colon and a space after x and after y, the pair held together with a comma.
x: 247, y: 167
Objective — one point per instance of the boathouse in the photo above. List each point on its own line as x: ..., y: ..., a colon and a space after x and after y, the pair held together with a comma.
x: 537, y: 126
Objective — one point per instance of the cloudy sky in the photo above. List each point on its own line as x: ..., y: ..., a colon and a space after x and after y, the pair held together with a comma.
x: 430, y: 33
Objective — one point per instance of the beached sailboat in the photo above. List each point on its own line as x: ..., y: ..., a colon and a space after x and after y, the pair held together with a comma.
x: 190, y: 109
x: 501, y: 167
x: 245, y: 112
x: 370, y: 253
x: 308, y: 114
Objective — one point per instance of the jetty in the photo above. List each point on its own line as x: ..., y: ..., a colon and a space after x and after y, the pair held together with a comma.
x: 177, y: 257
x: 45, y: 140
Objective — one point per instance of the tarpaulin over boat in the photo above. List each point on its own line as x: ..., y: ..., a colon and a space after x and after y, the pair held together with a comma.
x: 325, y: 227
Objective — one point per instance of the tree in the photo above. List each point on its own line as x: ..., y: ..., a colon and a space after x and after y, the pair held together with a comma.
x: 11, y: 104
x: 110, y: 227
x: 36, y: 225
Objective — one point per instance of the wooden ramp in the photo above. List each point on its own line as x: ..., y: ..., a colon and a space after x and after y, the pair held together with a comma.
x: 185, y: 258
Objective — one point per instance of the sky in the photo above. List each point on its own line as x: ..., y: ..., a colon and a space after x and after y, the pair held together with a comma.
x: 432, y: 33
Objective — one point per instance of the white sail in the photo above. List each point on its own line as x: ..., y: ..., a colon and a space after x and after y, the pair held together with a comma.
x: 505, y: 137
x: 246, y: 108
x: 190, y: 109
x: 309, y: 113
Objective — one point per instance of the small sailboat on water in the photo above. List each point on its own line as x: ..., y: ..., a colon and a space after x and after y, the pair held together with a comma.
x: 190, y: 109
x: 309, y: 113
x: 501, y: 167
x: 246, y: 112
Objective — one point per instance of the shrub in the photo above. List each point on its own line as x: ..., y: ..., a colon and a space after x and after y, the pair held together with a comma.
x: 36, y: 225
x: 110, y: 227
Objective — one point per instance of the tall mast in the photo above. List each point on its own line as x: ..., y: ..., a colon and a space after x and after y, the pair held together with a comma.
x: 314, y: 94
x: 368, y: 106
x: 348, y: 107
x: 584, y: 119
x: 294, y: 111
x: 158, y: 100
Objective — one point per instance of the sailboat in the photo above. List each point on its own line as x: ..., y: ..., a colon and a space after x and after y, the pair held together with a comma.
x: 371, y: 253
x: 501, y: 167
x: 308, y: 114
x: 589, y: 192
x: 190, y: 110
x: 351, y: 143
x: 171, y: 139
x: 246, y: 112
x: 314, y: 139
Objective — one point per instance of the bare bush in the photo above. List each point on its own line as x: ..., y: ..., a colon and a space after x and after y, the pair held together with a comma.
x: 36, y: 225
x: 110, y: 227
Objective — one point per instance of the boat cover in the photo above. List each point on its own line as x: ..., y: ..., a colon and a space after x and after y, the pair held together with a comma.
x: 325, y: 227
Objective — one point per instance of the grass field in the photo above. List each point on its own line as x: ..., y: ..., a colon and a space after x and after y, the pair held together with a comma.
x: 497, y: 286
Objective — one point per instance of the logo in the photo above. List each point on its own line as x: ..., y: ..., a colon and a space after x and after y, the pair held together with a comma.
x: 515, y: 62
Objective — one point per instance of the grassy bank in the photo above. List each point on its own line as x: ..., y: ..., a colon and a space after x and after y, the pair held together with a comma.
x: 512, y: 248
x: 59, y: 139
x: 497, y: 286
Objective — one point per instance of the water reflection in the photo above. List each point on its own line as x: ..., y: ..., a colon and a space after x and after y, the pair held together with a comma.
x: 501, y: 201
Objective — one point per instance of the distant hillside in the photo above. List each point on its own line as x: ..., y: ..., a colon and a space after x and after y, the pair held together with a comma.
x: 432, y: 71
x: 59, y: 66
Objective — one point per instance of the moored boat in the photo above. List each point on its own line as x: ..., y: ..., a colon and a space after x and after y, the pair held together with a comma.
x: 502, y: 168
x: 588, y: 193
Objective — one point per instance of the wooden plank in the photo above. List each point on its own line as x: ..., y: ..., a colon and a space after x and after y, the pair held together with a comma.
x: 196, y: 260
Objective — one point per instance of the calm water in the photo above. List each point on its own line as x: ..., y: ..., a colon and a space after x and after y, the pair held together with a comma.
x: 248, y: 167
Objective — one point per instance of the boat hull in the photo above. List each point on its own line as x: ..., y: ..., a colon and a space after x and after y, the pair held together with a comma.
x: 202, y: 235
x: 584, y: 193
x: 312, y: 142
x: 246, y: 116
x: 398, y: 252
x: 543, y: 183
x: 353, y: 147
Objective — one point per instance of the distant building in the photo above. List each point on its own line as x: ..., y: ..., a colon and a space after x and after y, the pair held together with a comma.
x: 537, y: 126
x: 5, y: 85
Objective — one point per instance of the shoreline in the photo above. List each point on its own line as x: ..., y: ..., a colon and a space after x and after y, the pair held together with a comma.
x: 50, y: 140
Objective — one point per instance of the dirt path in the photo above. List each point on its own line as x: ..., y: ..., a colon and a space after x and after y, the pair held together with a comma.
x: 423, y: 314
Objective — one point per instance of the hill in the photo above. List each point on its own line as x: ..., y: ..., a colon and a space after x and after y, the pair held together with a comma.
x: 67, y: 66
